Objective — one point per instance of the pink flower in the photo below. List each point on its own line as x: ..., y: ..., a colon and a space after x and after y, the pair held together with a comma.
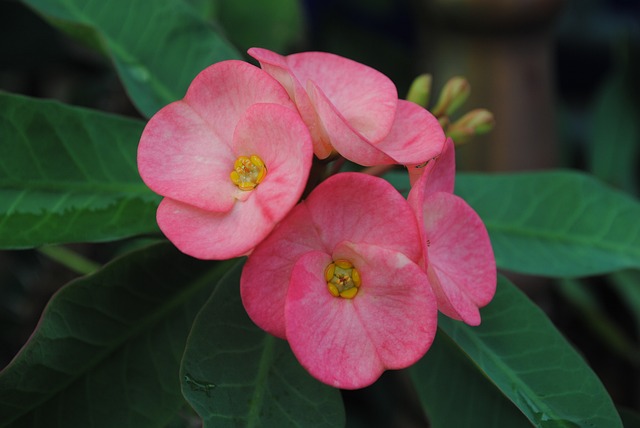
x: 354, y: 109
x: 231, y: 158
x: 457, y: 252
x: 338, y: 278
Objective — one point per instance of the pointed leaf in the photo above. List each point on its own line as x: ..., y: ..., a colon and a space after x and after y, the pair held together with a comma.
x: 69, y: 174
x: 235, y: 374
x: 106, y: 352
x: 157, y: 47
x: 522, y: 353
x: 557, y: 223
x: 454, y: 393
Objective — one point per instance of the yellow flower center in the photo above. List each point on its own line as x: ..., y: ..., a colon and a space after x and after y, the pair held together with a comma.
x: 248, y: 172
x: 343, y: 280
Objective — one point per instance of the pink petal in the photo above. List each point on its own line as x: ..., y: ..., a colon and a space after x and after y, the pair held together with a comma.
x: 441, y: 171
x: 416, y: 135
x: 342, y: 101
x: 267, y: 272
x: 184, y: 151
x: 348, y: 343
x: 180, y: 157
x: 462, y: 266
x: 342, y: 135
x: 280, y: 138
x: 365, y: 97
x: 276, y: 65
x: 365, y: 209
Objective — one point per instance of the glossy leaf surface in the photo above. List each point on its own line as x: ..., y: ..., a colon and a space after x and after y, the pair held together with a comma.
x: 69, y: 174
x: 557, y: 223
x: 106, y: 352
x: 531, y: 363
x: 235, y: 374
x: 157, y: 47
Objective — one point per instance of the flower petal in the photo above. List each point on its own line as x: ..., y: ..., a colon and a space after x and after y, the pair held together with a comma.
x: 184, y: 151
x: 180, y: 157
x: 280, y: 138
x: 267, y: 272
x: 441, y: 171
x: 415, y: 137
x: 348, y: 343
x: 366, y: 209
x: 462, y: 266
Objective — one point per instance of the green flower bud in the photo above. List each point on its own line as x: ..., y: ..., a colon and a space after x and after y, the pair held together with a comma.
x: 476, y: 122
x: 420, y: 90
x: 454, y: 93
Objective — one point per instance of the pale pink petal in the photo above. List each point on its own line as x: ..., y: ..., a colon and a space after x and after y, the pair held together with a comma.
x: 279, y: 137
x: 441, y: 171
x: 184, y: 151
x: 342, y: 135
x: 180, y: 157
x: 267, y: 272
x: 276, y: 65
x: 362, y: 208
x: 460, y: 256
x: 223, y: 92
x: 214, y: 236
x: 415, y: 137
x: 342, y: 101
x: 365, y: 98
x: 348, y: 343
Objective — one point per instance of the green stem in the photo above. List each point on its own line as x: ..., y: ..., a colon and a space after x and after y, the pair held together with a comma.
x: 69, y: 259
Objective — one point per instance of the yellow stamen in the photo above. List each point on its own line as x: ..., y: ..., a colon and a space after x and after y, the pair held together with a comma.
x: 342, y: 279
x: 248, y: 172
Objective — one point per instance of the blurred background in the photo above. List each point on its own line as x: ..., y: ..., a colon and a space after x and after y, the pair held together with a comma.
x: 561, y: 78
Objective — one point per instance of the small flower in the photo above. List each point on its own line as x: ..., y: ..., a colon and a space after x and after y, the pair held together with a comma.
x: 457, y: 251
x: 354, y: 109
x: 338, y: 278
x: 231, y: 159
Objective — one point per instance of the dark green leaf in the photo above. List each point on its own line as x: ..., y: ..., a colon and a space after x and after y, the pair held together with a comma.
x: 106, y: 352
x: 69, y: 175
x: 614, y: 135
x: 236, y: 375
x: 627, y: 283
x: 157, y: 47
x: 557, y: 223
x: 270, y: 24
x: 522, y: 353
x: 454, y: 393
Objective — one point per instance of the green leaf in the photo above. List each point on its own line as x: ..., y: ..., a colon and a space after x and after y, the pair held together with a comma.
x: 270, y: 24
x: 69, y: 175
x: 234, y: 374
x: 627, y: 283
x: 614, y: 135
x: 522, y: 353
x: 454, y: 393
x: 106, y: 352
x: 157, y: 47
x: 556, y: 223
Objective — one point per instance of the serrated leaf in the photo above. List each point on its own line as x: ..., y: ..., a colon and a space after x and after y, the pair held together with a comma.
x: 106, y: 352
x: 555, y: 223
x: 69, y: 174
x: 236, y: 375
x: 454, y: 393
x: 522, y: 353
x: 157, y: 47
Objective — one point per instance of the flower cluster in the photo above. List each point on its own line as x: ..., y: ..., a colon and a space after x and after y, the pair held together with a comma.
x: 339, y: 264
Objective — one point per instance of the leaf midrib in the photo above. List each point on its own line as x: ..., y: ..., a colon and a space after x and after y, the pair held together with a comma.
x: 138, y: 329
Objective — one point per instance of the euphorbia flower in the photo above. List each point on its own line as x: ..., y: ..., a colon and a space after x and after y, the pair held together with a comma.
x: 457, y: 252
x: 354, y: 109
x: 231, y: 158
x: 338, y: 278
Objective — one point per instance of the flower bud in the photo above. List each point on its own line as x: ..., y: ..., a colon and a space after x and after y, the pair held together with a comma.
x: 454, y: 93
x: 476, y: 122
x: 420, y: 90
